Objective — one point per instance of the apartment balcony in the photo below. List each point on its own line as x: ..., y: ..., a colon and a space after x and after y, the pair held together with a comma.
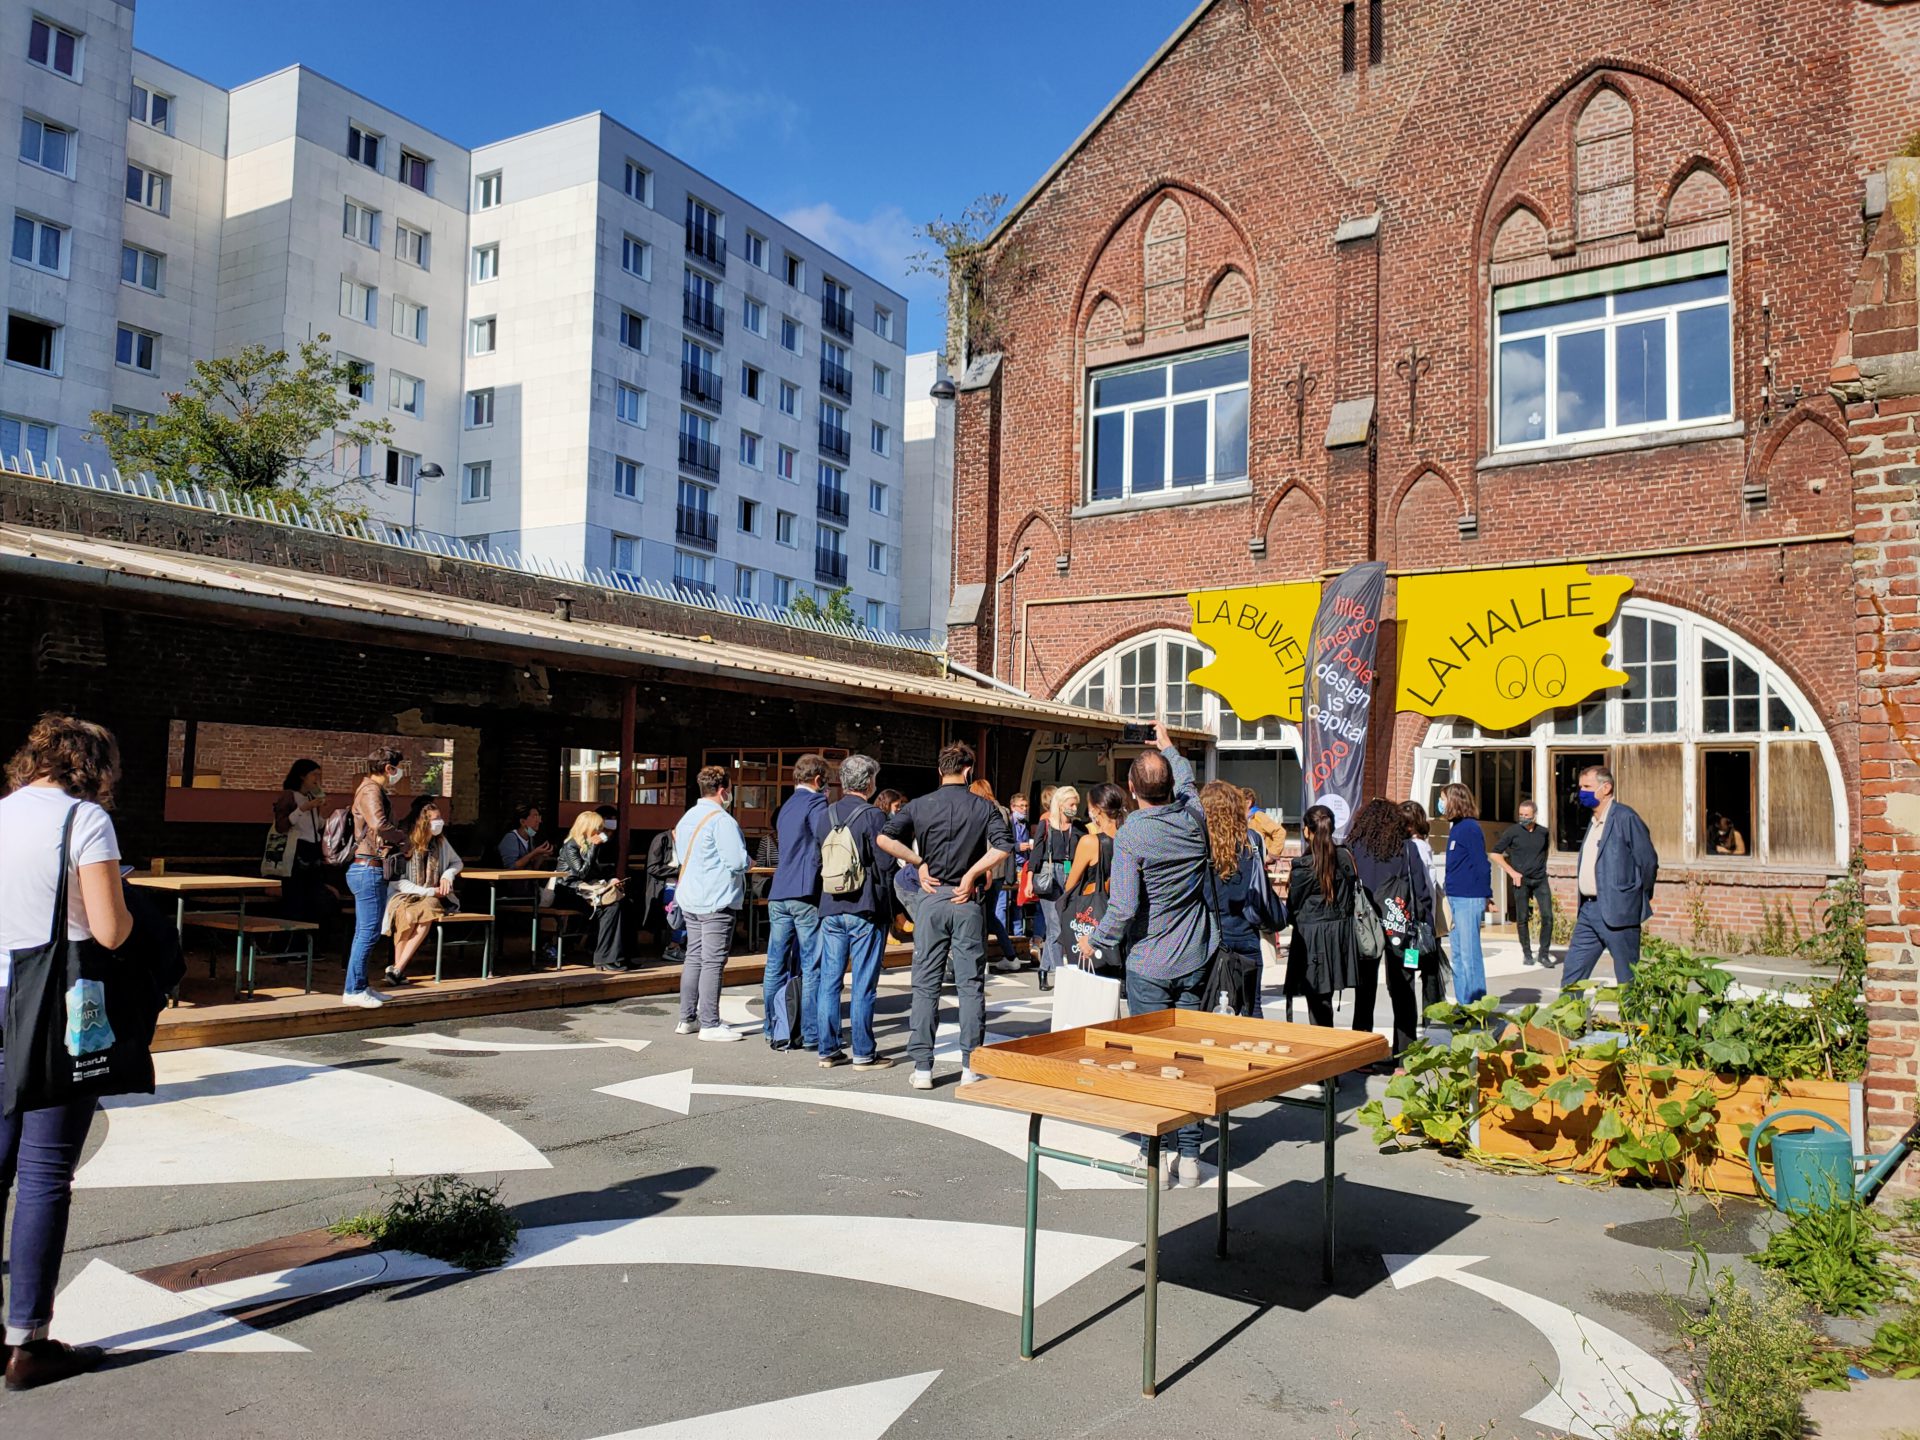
x: 836, y: 379
x: 699, y: 455
x: 829, y: 567
x: 706, y: 246
x: 702, y: 386
x: 704, y: 316
x: 696, y: 527
x: 831, y: 503
x: 836, y: 442
x: 836, y: 317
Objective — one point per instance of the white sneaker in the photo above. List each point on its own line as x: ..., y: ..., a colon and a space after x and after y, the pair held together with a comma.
x: 1189, y: 1172
x: 921, y: 1080
x: 967, y: 1077
x: 720, y: 1032
x: 365, y: 999
x: 685, y: 1027
x: 1312, y: 1092
x: 1167, y: 1168
x: 1007, y: 967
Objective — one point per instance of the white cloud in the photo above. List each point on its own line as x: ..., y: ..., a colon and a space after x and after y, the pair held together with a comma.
x: 707, y: 119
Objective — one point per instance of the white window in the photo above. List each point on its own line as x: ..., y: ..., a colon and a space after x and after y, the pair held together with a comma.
x: 138, y: 419
x: 754, y: 250
x: 147, y: 188
x: 749, y: 516
x: 630, y: 405
x: 876, y: 557
x: 791, y: 336
x: 151, y: 107
x: 793, y: 271
x: 876, y: 615
x: 406, y: 393
x: 359, y: 377
x: 883, y: 322
x: 626, y: 554
x: 410, y: 320
x: 40, y: 244
x: 33, y: 343
x: 411, y: 245
x: 706, y: 233
x: 753, y: 315
x: 1167, y: 425
x: 876, y: 497
x: 351, y: 458
x: 626, y: 478
x: 363, y: 146
x: 636, y: 257
x: 486, y: 191
x: 743, y: 579
x: 136, y: 349
x: 403, y: 469
x: 415, y: 170
x: 752, y: 378
x: 882, y: 380
x: 483, y: 335
x: 783, y: 461
x: 476, y: 482
x: 50, y: 147
x: 881, y: 439
x: 359, y: 302
x: 486, y: 263
x: 783, y: 527
x: 789, y: 398
x: 479, y: 408
x: 782, y: 592
x: 749, y: 450
x: 1584, y: 355
x: 54, y: 47
x: 693, y: 571
x: 1148, y: 676
x: 362, y: 223
x: 20, y: 437
x: 638, y: 183
x: 633, y: 332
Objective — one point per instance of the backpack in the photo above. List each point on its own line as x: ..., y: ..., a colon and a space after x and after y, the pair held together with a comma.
x: 1369, y: 934
x: 841, y: 872
x: 338, y: 841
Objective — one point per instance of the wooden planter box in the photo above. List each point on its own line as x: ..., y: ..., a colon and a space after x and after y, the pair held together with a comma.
x: 1715, y: 1160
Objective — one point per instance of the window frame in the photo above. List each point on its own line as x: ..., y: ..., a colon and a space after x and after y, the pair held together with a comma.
x: 481, y: 397
x: 409, y: 158
x: 152, y: 182
x: 358, y: 138
x: 791, y: 328
x: 27, y: 424
x: 638, y: 419
x: 143, y: 114
x: 636, y: 182
x: 629, y: 478
x: 1168, y: 403
x: 367, y: 311
x: 786, y: 529
x: 636, y: 322
x: 786, y: 463
x: 482, y: 255
x: 417, y: 332
x: 880, y: 438
x: 396, y: 381
x: 789, y: 392
x: 487, y: 191
x: 753, y: 382
x: 883, y: 322
x: 487, y: 326
x: 403, y: 469
x: 136, y: 335
x: 350, y: 209
x: 632, y: 245
x: 752, y: 449
x: 877, y: 549
x: 879, y: 490
x: 882, y: 381
x: 699, y: 568
x: 36, y: 245
x: 753, y: 316
x: 753, y: 241
x: 39, y: 161
x: 56, y: 344
x: 54, y: 29
x: 482, y: 470
x: 1098, y: 685
x: 421, y: 246
x: 747, y: 516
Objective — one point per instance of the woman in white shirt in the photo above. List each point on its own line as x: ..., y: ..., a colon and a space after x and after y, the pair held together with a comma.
x: 66, y: 765
x: 424, y: 891
x: 300, y: 813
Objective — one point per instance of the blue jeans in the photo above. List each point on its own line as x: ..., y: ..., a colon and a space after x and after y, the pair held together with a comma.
x: 1591, y: 935
x: 41, y: 1147
x: 369, y: 904
x: 844, y: 939
x: 1469, y: 969
x: 793, y: 957
x: 1184, y: 992
x: 997, y: 923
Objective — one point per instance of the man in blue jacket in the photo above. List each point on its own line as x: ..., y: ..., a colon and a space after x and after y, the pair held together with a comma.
x: 1618, y: 868
x: 793, y: 909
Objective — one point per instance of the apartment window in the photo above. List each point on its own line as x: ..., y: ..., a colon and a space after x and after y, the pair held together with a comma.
x: 20, y: 437
x: 476, y: 481
x: 749, y: 516
x: 783, y: 462
x: 50, y: 147
x: 626, y: 478
x: 783, y: 527
x: 706, y: 234
x: 882, y: 381
x: 150, y: 107
x: 359, y: 377
x: 147, y: 188
x: 479, y: 408
x: 743, y: 579
x: 876, y: 557
x: 751, y: 378
x: 353, y: 459
x: 876, y: 615
x: 835, y: 376
x: 753, y: 315
x: 359, y: 302
x: 749, y: 450
x: 411, y: 245
x: 54, y: 47
x: 636, y: 257
x: 881, y: 439
x: 486, y: 191
x: 883, y: 322
x: 138, y: 419
x: 782, y: 592
x: 1583, y: 355
x: 790, y: 334
x: 633, y: 332
x: 630, y: 405
x: 403, y: 469
x: 33, y: 343
x: 1168, y: 425
x: 693, y: 571
x: 40, y: 244
x: 626, y: 554
x: 754, y: 250
x: 406, y: 393
x: 638, y: 183
x: 415, y: 170
x: 410, y: 320
x: 789, y: 399
x: 486, y: 263
x: 363, y: 146
x: 136, y: 349
x: 362, y: 223
x: 877, y: 498
x: 483, y: 335
x: 793, y: 271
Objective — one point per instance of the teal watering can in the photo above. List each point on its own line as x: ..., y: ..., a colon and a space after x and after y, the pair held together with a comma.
x: 1815, y: 1168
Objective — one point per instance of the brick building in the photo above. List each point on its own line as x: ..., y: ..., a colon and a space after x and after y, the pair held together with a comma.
x: 1448, y: 286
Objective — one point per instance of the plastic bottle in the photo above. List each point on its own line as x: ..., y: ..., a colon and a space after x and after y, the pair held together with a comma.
x: 1225, y: 1007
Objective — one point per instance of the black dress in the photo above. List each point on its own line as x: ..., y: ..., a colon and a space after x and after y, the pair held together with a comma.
x: 1324, y: 955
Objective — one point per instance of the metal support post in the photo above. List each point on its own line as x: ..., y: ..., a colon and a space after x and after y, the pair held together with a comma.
x: 1220, y: 1204
x: 1148, y: 1342
x: 1033, y: 1225
x: 1329, y: 1106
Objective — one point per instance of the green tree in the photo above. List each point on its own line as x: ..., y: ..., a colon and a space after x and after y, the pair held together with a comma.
x: 839, y: 607
x: 981, y: 281
x: 256, y: 424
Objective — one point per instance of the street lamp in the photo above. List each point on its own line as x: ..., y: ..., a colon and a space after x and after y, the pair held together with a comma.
x: 943, y: 388
x: 428, y: 471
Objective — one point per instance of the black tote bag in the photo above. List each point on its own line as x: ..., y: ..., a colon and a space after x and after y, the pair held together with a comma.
x: 80, y: 1018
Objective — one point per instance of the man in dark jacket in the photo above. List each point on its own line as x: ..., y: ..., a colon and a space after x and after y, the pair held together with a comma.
x: 1618, y: 868
x: 853, y: 922
x: 793, y: 909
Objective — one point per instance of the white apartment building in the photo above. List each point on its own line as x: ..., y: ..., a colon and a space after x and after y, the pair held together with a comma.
x: 926, y: 572
x: 612, y: 361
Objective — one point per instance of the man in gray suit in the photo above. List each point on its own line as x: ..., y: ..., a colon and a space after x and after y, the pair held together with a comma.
x: 1618, y: 868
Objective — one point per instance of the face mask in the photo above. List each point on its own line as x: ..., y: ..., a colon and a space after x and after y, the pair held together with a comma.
x: 1526, y: 822
x: 600, y: 839
x: 529, y: 830
x: 1589, y: 799
x: 436, y: 826
x: 1440, y: 806
x: 399, y: 774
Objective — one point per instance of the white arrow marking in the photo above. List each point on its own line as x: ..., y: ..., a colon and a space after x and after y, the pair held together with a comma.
x: 1004, y: 1130
x: 959, y: 1260
x: 103, y: 1305
x: 1605, y: 1379
x: 464, y: 1044
x: 221, y: 1117
x: 856, y: 1412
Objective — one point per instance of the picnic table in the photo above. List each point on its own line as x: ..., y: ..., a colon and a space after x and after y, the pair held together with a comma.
x: 204, y: 887
x: 493, y: 879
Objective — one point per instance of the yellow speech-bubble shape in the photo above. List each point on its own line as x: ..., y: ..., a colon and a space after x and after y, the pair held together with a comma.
x: 1501, y: 646
x: 1258, y: 635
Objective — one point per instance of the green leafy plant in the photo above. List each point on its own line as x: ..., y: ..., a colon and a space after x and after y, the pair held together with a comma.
x: 1753, y: 1360
x: 1835, y: 1256
x: 1895, y: 1350
x: 444, y: 1217
x: 839, y: 607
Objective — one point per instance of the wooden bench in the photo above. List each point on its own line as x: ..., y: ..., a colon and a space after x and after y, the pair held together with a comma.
x: 247, y: 931
x: 465, y: 919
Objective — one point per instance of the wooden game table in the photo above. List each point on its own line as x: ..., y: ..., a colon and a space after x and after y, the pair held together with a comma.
x: 1150, y: 1075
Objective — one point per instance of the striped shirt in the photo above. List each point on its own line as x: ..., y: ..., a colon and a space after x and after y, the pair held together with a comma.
x: 1157, y: 901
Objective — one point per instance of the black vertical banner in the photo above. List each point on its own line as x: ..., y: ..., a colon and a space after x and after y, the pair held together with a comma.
x: 1339, y: 690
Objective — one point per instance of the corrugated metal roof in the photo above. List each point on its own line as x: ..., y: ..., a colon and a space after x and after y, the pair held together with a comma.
x: 391, y: 615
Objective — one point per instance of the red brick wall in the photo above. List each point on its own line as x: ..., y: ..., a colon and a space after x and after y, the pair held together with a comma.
x: 256, y: 757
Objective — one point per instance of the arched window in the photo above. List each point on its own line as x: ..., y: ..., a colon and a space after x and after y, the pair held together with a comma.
x: 1708, y: 740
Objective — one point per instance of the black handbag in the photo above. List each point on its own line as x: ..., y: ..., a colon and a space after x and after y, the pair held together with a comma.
x: 80, y: 1018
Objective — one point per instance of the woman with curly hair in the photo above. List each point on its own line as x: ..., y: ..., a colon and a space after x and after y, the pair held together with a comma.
x: 1397, y: 881
x: 1241, y: 897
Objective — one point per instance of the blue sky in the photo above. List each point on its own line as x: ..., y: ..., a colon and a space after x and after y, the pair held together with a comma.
x: 855, y: 121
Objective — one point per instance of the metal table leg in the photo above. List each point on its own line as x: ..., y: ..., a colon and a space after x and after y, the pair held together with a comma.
x: 1329, y: 1107
x: 1151, y: 1336
x: 1033, y: 1227
x: 1220, y: 1205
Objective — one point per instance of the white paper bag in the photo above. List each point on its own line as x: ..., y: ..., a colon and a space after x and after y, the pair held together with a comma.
x: 1081, y: 997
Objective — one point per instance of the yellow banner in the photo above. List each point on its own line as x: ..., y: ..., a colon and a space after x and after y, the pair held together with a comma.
x: 1258, y: 635
x: 1501, y: 646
